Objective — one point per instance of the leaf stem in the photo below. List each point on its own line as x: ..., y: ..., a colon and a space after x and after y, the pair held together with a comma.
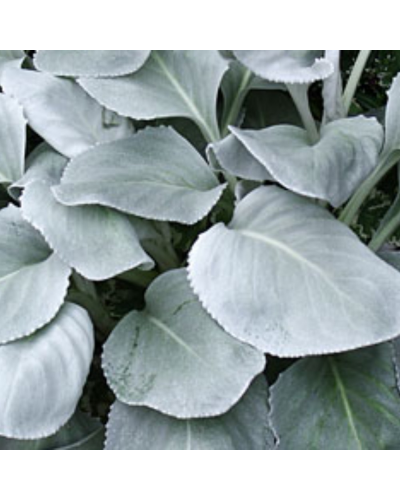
x: 354, y: 79
x: 237, y: 103
x: 299, y: 94
x: 362, y: 193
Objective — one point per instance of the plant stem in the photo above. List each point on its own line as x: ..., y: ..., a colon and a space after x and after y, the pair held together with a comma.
x: 384, y: 233
x: 98, y: 313
x: 362, y: 193
x: 139, y: 278
x: 237, y: 104
x: 299, y: 94
x: 354, y: 79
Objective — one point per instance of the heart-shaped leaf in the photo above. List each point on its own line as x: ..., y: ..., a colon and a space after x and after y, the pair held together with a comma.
x: 338, y: 403
x: 244, y: 427
x: 33, y: 281
x: 287, y: 66
x: 62, y: 113
x: 331, y: 169
x: 80, y: 433
x: 174, y: 358
x: 172, y: 83
x: 12, y: 140
x: 283, y: 256
x: 41, y: 378
x: 156, y: 174
x: 92, y: 63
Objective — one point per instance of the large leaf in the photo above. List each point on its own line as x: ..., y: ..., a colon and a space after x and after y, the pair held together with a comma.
x: 33, y: 281
x: 331, y: 169
x: 96, y: 241
x: 10, y: 59
x: 156, y: 174
x: 341, y: 402
x: 174, y: 358
x: 172, y: 83
x: 12, y: 140
x: 62, y: 113
x: 293, y: 280
x: 41, y: 378
x: 91, y: 63
x: 287, y: 66
x: 244, y: 427
x: 80, y: 433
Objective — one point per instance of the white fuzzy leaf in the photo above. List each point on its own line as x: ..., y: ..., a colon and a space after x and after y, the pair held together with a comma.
x: 156, y: 174
x: 288, y: 278
x: 12, y: 140
x: 287, y: 66
x: 331, y: 169
x: 174, y: 358
x: 42, y: 377
x: 33, y: 281
x: 244, y: 427
x: 92, y: 63
x: 172, y: 83
x: 345, y: 402
x: 62, y: 113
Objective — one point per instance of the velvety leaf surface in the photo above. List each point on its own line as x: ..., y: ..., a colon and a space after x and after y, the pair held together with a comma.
x: 41, y: 378
x: 62, y: 113
x: 333, y: 89
x: 338, y: 403
x: 174, y: 358
x: 12, y: 140
x: 287, y: 66
x: 92, y: 63
x: 80, y: 433
x: 235, y: 158
x: 43, y: 164
x: 33, y: 281
x: 331, y: 169
x: 156, y: 174
x: 10, y: 59
x: 97, y: 242
x: 244, y: 427
x: 171, y: 83
x: 282, y: 256
x: 392, y: 119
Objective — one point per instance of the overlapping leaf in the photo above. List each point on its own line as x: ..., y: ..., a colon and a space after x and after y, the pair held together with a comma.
x: 33, y: 280
x: 92, y: 63
x: 62, y: 113
x: 174, y: 358
x: 244, y: 427
x: 156, y: 174
x: 341, y: 402
x: 286, y: 66
x: 288, y: 278
x: 41, y: 378
x: 331, y: 169
x: 96, y: 241
x: 172, y: 83
x: 12, y: 140
x: 80, y: 433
